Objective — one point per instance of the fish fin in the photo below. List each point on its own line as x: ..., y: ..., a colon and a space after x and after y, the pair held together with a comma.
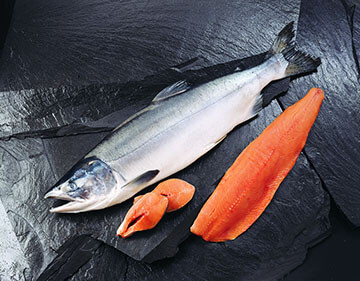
x: 185, y: 65
x: 212, y: 145
x: 220, y: 140
x: 298, y: 62
x: 172, y: 90
x: 258, y: 105
x: 142, y: 179
x: 282, y: 41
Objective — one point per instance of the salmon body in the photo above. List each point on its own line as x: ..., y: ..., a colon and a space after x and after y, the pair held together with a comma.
x: 251, y: 182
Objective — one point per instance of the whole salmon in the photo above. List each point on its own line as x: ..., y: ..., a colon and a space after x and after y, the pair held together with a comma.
x: 180, y: 125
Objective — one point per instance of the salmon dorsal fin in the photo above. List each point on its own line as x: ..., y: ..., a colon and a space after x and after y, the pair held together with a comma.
x: 172, y: 90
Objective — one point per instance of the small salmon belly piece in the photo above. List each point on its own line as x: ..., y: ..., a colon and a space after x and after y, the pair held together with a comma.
x: 144, y: 214
x: 251, y: 182
x: 178, y: 193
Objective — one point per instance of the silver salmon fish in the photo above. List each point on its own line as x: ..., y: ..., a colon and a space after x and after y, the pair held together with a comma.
x: 181, y: 124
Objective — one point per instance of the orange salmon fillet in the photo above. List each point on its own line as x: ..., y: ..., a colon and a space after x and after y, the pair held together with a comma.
x: 251, y: 182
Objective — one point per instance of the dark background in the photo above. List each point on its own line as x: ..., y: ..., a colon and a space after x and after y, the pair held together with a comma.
x: 336, y: 258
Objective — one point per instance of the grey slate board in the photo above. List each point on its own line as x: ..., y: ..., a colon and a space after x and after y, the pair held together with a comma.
x: 336, y: 257
x: 333, y: 145
x: 13, y: 263
x: 36, y: 164
x: 295, y: 220
x: 215, y: 46
x: 54, y: 43
x: 51, y: 112
x: 73, y: 254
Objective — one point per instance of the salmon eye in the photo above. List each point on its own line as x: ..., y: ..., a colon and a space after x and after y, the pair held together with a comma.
x: 72, y: 185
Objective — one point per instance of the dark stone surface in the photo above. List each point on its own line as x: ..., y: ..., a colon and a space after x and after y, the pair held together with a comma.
x: 334, y: 259
x: 106, y: 264
x: 6, y: 9
x: 39, y: 163
x: 295, y: 220
x: 353, y: 16
x: 13, y: 263
x: 68, y: 110
x: 333, y: 145
x: 35, y: 111
x: 54, y: 43
x: 73, y: 44
x: 71, y: 256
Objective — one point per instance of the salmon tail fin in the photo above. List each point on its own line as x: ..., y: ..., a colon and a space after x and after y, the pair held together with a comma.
x: 298, y: 62
x: 284, y: 40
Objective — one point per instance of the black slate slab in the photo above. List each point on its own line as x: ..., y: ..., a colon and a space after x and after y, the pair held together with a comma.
x: 54, y: 43
x: 36, y: 165
x: 6, y: 9
x: 295, y: 220
x: 337, y: 257
x: 71, y: 256
x: 353, y: 16
x: 13, y: 263
x: 106, y: 264
x: 333, y: 145
x: 68, y: 110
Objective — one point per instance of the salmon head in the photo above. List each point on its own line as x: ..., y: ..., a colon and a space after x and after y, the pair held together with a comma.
x: 87, y: 185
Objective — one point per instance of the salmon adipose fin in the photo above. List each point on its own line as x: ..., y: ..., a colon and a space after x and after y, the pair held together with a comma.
x: 251, y: 182
x: 298, y: 62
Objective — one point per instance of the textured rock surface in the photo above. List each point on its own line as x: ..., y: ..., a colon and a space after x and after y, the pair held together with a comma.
x: 295, y: 220
x: 353, y: 16
x: 333, y: 145
x: 13, y: 264
x: 71, y: 256
x: 68, y: 110
x: 37, y: 164
x: 19, y: 190
x: 97, y: 41
x: 106, y: 264
x: 79, y: 49
x: 336, y: 257
x: 6, y: 8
